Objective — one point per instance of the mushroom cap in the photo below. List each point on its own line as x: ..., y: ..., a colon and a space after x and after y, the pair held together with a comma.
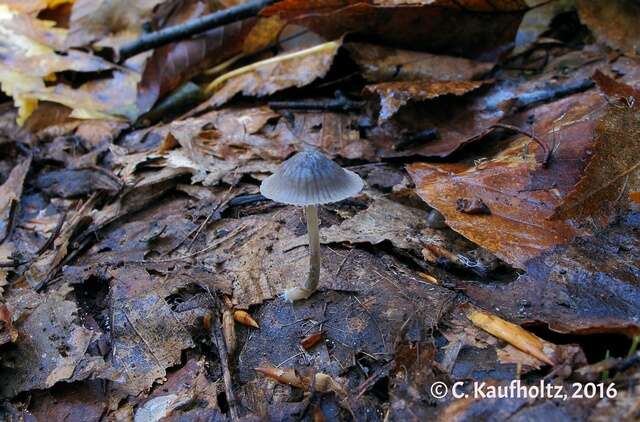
x: 310, y: 178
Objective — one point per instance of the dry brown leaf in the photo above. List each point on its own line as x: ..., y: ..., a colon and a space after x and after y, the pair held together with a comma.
x: 113, y: 22
x: 614, y: 161
x: 171, y: 65
x: 394, y: 95
x: 614, y: 23
x: 459, y: 28
x: 385, y: 64
x: 511, y: 333
x: 8, y: 334
x: 517, y: 227
x: 51, y: 339
x: 587, y: 287
x: 30, y: 57
x: 265, y: 77
x: 520, y: 194
x: 140, y: 320
x: 10, y: 193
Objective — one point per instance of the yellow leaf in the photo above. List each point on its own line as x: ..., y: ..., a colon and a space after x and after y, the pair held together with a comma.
x: 511, y: 333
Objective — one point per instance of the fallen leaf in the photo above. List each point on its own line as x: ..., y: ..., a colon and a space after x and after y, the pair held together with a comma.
x: 521, y: 194
x: 51, y: 339
x: 517, y: 228
x: 140, y: 321
x: 10, y: 193
x: 613, y: 23
x: 385, y: 64
x: 458, y: 28
x: 394, y: 95
x: 613, y: 163
x: 190, y: 384
x: 8, y: 334
x: 537, y: 21
x: 171, y: 65
x: 112, y: 22
x: 510, y: 333
x: 33, y: 6
x: 265, y: 77
x: 30, y: 57
x: 586, y: 287
x: 73, y: 183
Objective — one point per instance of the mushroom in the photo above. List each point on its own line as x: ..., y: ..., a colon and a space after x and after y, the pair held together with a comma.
x: 310, y: 179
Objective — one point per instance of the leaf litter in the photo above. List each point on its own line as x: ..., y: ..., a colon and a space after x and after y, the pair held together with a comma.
x: 495, y: 240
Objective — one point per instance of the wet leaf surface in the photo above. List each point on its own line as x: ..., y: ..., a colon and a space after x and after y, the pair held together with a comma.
x: 495, y: 239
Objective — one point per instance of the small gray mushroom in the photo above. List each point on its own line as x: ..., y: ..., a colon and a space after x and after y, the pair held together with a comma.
x: 310, y: 179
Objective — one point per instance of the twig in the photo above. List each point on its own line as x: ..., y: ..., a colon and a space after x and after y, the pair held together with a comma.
x: 381, y: 372
x: 413, y: 138
x: 339, y: 103
x: 183, y: 31
x: 545, y: 148
x: 53, y: 236
x: 218, y: 339
x: 224, y: 201
x: 552, y: 93
x: 11, y: 221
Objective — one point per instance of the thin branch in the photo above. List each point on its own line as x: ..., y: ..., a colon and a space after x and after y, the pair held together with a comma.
x: 52, y: 238
x: 183, y: 31
x: 218, y: 339
x: 11, y: 221
x: 540, y: 142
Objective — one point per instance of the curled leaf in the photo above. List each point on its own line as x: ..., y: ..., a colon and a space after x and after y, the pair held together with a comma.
x: 511, y: 333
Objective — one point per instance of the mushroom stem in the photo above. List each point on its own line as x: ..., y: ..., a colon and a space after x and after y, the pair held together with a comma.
x: 313, y: 228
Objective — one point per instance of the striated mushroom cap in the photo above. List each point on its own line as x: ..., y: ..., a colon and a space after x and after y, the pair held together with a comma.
x: 310, y: 178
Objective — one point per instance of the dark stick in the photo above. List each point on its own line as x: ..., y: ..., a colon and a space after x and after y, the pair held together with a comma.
x: 183, y: 31
x: 339, y: 103
x: 11, y: 221
x: 218, y: 339
x: 544, y: 95
x: 53, y: 237
x: 42, y: 249
x: 417, y: 137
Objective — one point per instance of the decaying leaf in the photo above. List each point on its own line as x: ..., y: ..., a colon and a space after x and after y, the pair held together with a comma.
x: 614, y: 23
x: 147, y: 337
x: 589, y: 286
x: 615, y: 159
x: 268, y: 76
x: 51, y: 339
x: 385, y: 64
x: 10, y: 193
x: 521, y: 195
x: 29, y: 48
x: 460, y: 28
x: 171, y: 65
x: 518, y: 227
x: 8, y: 334
x: 119, y: 20
x: 394, y: 95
